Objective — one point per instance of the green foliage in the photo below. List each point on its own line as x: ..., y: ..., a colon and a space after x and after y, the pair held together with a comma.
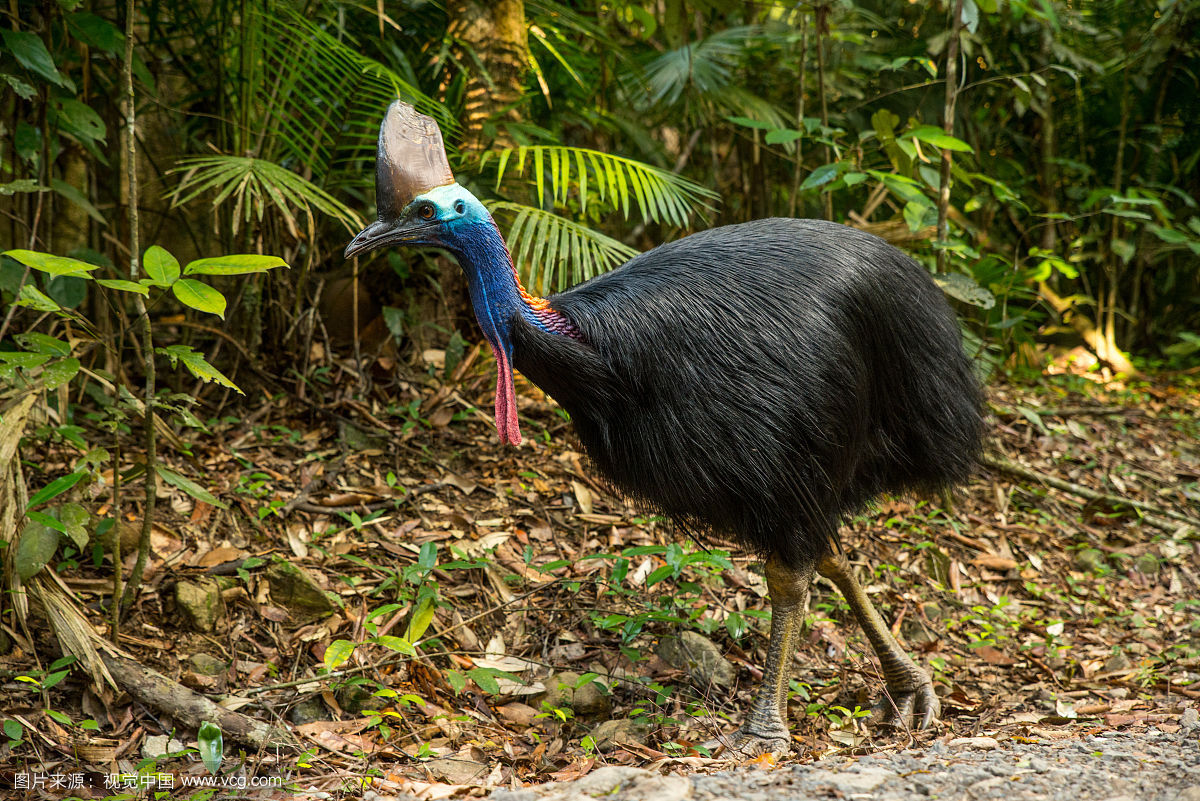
x: 46, y: 362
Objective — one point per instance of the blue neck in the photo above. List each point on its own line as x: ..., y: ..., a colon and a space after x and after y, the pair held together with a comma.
x: 495, y: 293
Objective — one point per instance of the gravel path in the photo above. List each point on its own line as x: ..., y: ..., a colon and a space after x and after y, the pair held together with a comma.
x: 1148, y: 765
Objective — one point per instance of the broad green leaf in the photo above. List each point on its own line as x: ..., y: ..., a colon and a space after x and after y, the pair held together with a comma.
x: 1169, y: 235
x: 123, y: 285
x: 53, y: 679
x: 22, y: 359
x: 31, y: 53
x: 58, y: 373
x: 196, y: 364
x: 51, y: 264
x: 456, y: 680
x: 914, y: 215
x: 160, y: 266
x: 24, y: 90
x: 74, y: 518
x: 821, y: 175
x: 1123, y: 248
x: 486, y: 680
x: 420, y: 620
x: 95, y: 31
x: 398, y: 644
x: 187, y: 485
x: 201, y: 297
x: 234, y: 264
x: 211, y: 745
x: 13, y: 729
x: 55, y: 488
x: 59, y: 717
x: 48, y: 521
x: 79, y: 119
x: 37, y: 300
x: 782, y: 136
x: 337, y: 653
x: 43, y: 343
x: 35, y: 548
x: 22, y: 185
x: 938, y: 138
x: 964, y: 288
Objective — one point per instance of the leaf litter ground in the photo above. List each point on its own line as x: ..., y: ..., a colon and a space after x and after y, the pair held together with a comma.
x: 499, y: 618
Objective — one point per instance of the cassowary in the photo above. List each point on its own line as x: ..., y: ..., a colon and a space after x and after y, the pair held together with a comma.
x: 760, y: 381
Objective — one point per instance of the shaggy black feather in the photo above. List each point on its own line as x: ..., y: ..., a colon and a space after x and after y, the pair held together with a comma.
x: 764, y: 380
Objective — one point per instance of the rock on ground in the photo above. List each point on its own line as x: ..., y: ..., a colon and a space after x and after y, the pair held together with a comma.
x: 1114, y: 766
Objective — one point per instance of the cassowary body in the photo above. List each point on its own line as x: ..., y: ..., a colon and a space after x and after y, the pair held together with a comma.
x: 760, y: 381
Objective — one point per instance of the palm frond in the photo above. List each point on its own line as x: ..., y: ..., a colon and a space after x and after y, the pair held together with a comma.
x: 706, y: 66
x: 662, y: 196
x: 551, y: 252
x: 320, y: 100
x: 253, y: 184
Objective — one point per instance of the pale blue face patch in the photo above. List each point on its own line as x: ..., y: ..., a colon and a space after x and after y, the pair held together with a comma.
x: 450, y: 205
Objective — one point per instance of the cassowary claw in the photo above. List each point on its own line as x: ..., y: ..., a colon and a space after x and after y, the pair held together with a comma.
x: 743, y: 745
x: 918, y: 704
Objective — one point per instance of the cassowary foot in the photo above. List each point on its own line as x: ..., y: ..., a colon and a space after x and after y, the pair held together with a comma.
x: 743, y: 745
x: 918, y: 704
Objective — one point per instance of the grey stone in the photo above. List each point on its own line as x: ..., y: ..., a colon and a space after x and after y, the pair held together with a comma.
x: 560, y: 690
x: 612, y: 733
x: 1117, y: 662
x: 699, y: 656
x: 159, y: 745
x: 590, y: 701
x: 612, y: 783
x: 861, y: 781
x: 357, y: 698
x: 200, y: 603
x: 307, y: 711
x: 981, y: 743
x: 207, y: 664
x: 1190, y: 718
x: 630, y: 784
x: 296, y: 591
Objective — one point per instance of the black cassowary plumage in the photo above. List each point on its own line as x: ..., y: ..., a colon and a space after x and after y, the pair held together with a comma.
x: 764, y: 380
x: 761, y: 381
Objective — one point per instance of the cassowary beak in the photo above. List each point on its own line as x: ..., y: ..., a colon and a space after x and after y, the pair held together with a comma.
x: 383, y: 232
x: 368, y: 238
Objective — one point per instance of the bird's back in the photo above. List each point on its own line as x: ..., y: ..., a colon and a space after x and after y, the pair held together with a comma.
x: 764, y: 379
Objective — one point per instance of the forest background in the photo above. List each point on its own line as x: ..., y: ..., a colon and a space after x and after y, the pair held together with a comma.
x: 1039, y: 157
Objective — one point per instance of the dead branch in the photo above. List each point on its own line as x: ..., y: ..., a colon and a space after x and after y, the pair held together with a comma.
x: 1029, y: 474
x: 190, y: 708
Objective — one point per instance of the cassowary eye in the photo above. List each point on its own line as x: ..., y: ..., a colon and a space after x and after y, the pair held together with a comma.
x: 425, y: 212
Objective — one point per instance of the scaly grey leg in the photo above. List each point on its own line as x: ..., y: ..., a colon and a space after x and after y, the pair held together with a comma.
x: 909, y: 687
x: 765, y: 728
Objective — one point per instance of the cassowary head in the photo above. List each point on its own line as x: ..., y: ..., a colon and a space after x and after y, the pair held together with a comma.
x: 418, y: 200
x: 420, y: 204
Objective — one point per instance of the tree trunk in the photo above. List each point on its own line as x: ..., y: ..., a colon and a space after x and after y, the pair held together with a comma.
x: 493, y: 39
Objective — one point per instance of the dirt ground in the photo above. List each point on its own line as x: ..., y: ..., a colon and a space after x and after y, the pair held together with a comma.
x: 492, y: 617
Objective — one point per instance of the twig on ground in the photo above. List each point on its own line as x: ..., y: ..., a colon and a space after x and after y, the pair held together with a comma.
x: 1028, y: 473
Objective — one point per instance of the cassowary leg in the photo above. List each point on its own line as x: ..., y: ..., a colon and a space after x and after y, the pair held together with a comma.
x: 765, y: 728
x: 910, y: 688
